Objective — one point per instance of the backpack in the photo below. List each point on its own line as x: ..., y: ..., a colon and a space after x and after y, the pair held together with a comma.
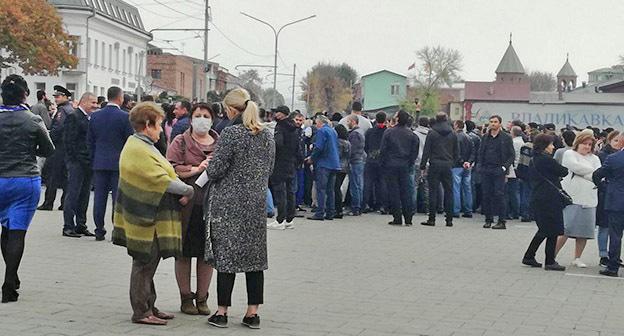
x: 526, y: 156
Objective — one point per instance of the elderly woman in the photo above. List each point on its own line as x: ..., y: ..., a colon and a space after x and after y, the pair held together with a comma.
x: 235, y: 206
x: 613, y: 145
x: 147, y: 210
x: 546, y: 201
x: 190, y: 154
x: 579, y: 218
x: 23, y: 137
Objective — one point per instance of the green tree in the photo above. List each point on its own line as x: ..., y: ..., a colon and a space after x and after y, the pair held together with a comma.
x: 542, y: 81
x: 327, y: 87
x: 272, y: 98
x: 32, y: 37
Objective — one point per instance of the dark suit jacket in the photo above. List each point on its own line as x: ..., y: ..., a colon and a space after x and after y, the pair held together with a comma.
x: 76, y: 126
x: 612, y: 170
x: 108, y: 131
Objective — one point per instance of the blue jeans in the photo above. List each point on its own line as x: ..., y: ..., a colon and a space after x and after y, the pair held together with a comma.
x: 525, y: 198
x: 414, y: 177
x: 356, y: 179
x: 325, y: 198
x: 616, y: 226
x: 462, y: 191
x: 299, y: 186
x: 603, y: 241
x: 270, y: 208
x: 513, y: 198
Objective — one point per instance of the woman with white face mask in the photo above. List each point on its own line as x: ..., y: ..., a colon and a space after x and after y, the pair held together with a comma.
x: 190, y: 154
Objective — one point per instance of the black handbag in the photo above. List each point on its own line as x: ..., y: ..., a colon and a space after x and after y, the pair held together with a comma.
x: 566, y: 199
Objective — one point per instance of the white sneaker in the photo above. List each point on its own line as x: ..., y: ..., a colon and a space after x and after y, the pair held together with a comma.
x: 274, y: 225
x: 289, y: 225
x: 578, y: 263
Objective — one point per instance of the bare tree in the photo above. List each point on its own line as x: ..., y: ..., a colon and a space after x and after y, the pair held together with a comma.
x: 542, y: 81
x: 439, y: 66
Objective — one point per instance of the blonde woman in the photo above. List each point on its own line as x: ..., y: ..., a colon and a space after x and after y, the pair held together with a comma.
x: 579, y: 218
x: 235, y: 206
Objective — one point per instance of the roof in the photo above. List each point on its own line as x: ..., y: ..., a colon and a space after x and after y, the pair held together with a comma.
x: 497, y: 91
x: 576, y: 98
x: 566, y: 70
x: 510, y: 63
x: 614, y: 69
x: 116, y: 10
x: 376, y: 72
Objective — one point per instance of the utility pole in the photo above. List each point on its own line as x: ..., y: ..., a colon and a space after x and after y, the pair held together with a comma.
x: 292, y: 102
x: 206, y: 76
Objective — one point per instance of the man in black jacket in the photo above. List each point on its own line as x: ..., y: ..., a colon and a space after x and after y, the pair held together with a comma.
x: 441, y: 152
x: 496, y: 155
x: 398, y: 153
x: 287, y: 155
x: 462, y: 190
x: 78, y: 161
x: 374, y: 185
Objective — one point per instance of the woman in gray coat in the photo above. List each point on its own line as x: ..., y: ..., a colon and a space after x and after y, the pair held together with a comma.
x: 235, y: 206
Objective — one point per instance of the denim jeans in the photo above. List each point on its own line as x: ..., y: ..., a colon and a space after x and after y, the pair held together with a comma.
x: 462, y: 191
x: 325, y: 181
x: 270, y: 207
x: 513, y: 198
x: 603, y: 241
x: 616, y: 225
x: 299, y: 186
x: 356, y: 186
x: 525, y: 198
x: 414, y: 177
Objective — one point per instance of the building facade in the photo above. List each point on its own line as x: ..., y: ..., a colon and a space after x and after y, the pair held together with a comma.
x: 381, y: 90
x: 111, y: 48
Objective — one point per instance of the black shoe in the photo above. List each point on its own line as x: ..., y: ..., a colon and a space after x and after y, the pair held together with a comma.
x: 383, y: 212
x: 554, y: 267
x: 9, y: 295
x: 603, y: 272
x: 394, y: 223
x: 45, y: 207
x: 315, y: 218
x: 85, y: 233
x: 270, y: 215
x: 449, y: 224
x: 499, y: 226
x: 100, y: 238
x: 338, y: 216
x: 299, y: 216
x: 456, y: 216
x: 60, y: 208
x: 354, y: 213
x: 531, y: 262
x: 487, y: 225
x: 18, y: 283
x: 368, y: 210
x: 604, y: 261
x: 219, y: 321
x: 70, y: 233
x: 526, y: 220
x: 428, y: 223
x: 299, y: 208
x: 467, y: 215
x: 408, y: 224
x: 252, y: 322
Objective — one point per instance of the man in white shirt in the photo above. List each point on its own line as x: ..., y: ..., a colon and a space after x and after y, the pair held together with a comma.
x: 363, y: 123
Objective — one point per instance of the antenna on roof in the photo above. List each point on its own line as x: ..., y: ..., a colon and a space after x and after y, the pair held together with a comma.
x: 510, y: 35
x: 567, y: 56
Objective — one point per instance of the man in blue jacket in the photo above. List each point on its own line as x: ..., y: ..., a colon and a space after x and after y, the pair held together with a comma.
x: 613, y: 171
x: 109, y: 129
x: 326, y: 163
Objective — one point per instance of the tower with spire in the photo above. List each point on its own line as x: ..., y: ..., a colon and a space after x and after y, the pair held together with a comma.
x: 566, y: 78
x: 510, y: 69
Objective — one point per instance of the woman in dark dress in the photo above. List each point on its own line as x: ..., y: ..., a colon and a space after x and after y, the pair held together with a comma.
x: 546, y: 202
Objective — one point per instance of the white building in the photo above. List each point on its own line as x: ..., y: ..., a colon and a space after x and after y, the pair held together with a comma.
x: 111, y: 48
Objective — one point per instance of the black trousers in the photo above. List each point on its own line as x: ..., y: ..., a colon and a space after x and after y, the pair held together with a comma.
x: 436, y: 175
x: 284, y: 199
x: 308, y: 182
x: 255, y: 288
x: 493, y: 193
x: 375, y: 193
x: 549, y: 249
x: 340, y: 177
x: 77, y: 198
x: 397, y: 181
x: 12, y: 246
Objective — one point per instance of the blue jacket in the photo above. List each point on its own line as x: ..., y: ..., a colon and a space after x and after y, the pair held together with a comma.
x: 325, y: 152
x: 613, y: 170
x: 180, y: 127
x: 109, y: 129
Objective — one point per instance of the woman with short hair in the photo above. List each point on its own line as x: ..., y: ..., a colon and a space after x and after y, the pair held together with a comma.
x: 23, y: 137
x: 546, y: 201
x: 147, y: 210
x: 190, y: 154
x: 235, y: 206
x: 579, y: 218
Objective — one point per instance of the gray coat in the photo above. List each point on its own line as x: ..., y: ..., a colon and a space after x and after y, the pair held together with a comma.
x: 235, y: 204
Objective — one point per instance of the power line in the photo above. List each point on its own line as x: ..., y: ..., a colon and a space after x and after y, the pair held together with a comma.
x: 236, y: 44
x: 151, y: 11
x: 177, y: 11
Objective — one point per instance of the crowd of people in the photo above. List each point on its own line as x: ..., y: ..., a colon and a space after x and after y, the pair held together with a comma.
x: 176, y: 173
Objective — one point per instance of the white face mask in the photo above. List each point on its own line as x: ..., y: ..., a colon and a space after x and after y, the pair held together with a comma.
x: 201, y: 125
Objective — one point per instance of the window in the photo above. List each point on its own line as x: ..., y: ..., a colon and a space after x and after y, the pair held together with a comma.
x: 95, y: 89
x: 73, y: 46
x: 95, y: 52
x: 117, y: 56
x: 71, y: 87
x: 40, y: 86
x: 182, y: 81
x: 156, y: 73
x: 102, y: 92
x: 123, y: 65
x: 394, y: 89
x: 129, y: 61
x: 110, y: 56
x: 103, y: 54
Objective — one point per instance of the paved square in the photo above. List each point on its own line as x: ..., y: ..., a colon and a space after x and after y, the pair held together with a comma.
x: 356, y: 276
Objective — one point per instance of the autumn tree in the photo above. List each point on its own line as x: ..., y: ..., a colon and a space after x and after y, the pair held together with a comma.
x: 32, y: 37
x: 272, y: 98
x: 439, y: 66
x: 250, y: 80
x: 327, y: 87
x: 542, y: 81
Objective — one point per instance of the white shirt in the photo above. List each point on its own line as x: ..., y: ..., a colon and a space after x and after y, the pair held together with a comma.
x: 578, y: 183
x: 363, y: 123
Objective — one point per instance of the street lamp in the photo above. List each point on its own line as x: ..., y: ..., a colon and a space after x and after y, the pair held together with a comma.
x: 276, y: 33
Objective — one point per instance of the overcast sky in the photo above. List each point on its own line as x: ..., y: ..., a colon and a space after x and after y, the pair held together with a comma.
x: 382, y: 34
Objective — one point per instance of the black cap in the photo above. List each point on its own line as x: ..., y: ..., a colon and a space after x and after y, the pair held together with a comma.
x: 549, y: 126
x: 61, y: 91
x: 282, y: 109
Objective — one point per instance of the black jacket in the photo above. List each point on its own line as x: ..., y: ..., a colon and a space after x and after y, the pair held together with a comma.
x: 399, y: 147
x: 507, y: 152
x: 287, y: 153
x: 546, y: 202
x: 466, y: 149
x: 23, y: 137
x: 76, y: 126
x: 441, y: 147
x: 372, y: 143
x: 58, y: 122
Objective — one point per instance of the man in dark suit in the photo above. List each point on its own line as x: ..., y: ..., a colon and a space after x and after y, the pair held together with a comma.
x: 108, y: 131
x: 78, y: 162
x: 613, y: 171
x: 55, y: 164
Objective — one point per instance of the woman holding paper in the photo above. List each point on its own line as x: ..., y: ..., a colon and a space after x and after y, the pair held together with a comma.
x: 190, y: 154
